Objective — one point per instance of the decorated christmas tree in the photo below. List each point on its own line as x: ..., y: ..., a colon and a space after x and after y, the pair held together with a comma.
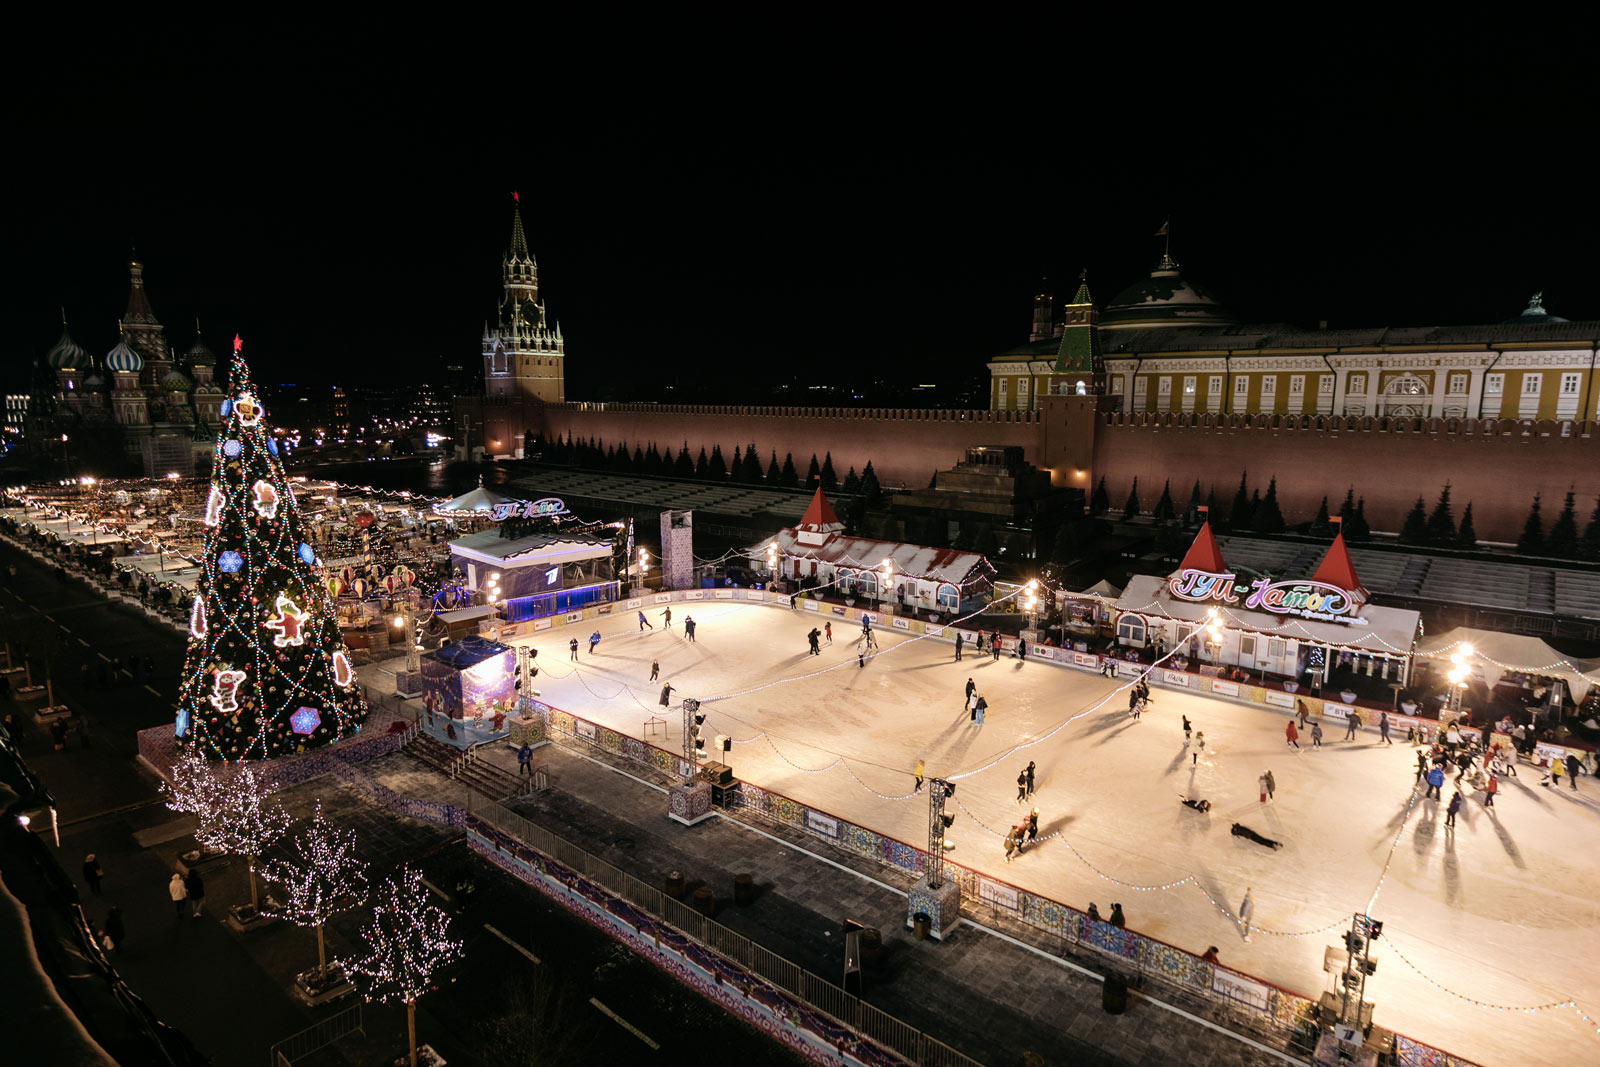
x: 267, y: 673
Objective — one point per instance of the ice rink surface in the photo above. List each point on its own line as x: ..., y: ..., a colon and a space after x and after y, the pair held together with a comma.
x: 1502, y: 910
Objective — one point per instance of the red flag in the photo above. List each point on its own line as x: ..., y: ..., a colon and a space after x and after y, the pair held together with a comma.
x: 1164, y: 227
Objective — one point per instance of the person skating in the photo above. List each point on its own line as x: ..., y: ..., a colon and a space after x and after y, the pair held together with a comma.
x: 197, y: 890
x: 994, y: 647
x: 1316, y: 735
x: 1247, y: 912
x: 1383, y: 727
x: 980, y: 707
x: 1435, y: 782
x: 114, y: 928
x: 1300, y: 709
x: 827, y: 631
x: 1261, y: 786
x: 1422, y: 763
x: 1450, y: 812
x: 1202, y: 806
x: 573, y: 644
x: 1292, y: 734
x: 1555, y: 779
x: 594, y: 639
x: 1022, y: 786
x: 959, y: 639
x: 814, y: 640
x: 1022, y: 649
x: 917, y: 773
x: 655, y: 669
x: 1033, y: 826
x: 1029, y: 773
x: 1188, y: 730
x: 979, y: 642
x: 1490, y: 790
x: 1200, y: 746
x: 92, y: 873
x: 667, y: 616
x: 1352, y: 723
x: 1574, y: 765
x: 688, y: 628
x: 972, y: 687
x: 644, y: 622
x: 177, y: 892
x: 1012, y: 843
x: 1272, y: 784
x: 861, y: 653
x: 666, y: 696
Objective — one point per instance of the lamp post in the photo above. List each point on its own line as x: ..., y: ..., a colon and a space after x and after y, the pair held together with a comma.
x: 772, y: 562
x: 888, y: 581
x: 1030, y: 601
x: 1213, y: 628
x: 1459, y: 670
x: 644, y: 566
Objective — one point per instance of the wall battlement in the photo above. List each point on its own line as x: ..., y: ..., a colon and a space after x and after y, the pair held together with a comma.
x: 1008, y: 418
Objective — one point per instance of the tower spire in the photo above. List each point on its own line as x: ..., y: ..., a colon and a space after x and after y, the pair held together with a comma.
x: 519, y: 243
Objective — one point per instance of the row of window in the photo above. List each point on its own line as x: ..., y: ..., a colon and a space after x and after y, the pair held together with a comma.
x: 1455, y: 385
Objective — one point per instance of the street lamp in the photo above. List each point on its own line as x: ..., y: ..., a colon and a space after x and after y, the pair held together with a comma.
x: 1030, y: 600
x: 1213, y: 629
x: 888, y: 580
x: 1459, y: 669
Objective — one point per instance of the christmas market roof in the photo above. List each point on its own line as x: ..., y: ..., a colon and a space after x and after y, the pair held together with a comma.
x: 1337, y: 569
x: 552, y: 547
x: 1204, y: 554
x: 467, y: 652
x: 949, y: 565
x: 1495, y: 653
x: 820, y: 513
x: 479, y: 499
x: 1386, y: 631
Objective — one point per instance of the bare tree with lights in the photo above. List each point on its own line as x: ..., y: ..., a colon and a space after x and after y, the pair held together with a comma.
x: 320, y: 878
x: 407, y: 943
x: 233, y: 808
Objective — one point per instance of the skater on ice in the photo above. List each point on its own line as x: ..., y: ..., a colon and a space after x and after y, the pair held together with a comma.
x: 1316, y: 735
x: 1029, y: 773
x: 1187, y: 730
x: 666, y: 695
x: 813, y: 638
x: 1033, y: 826
x: 972, y: 687
x: 827, y: 631
x: 959, y: 639
x: 688, y: 628
x: 644, y: 622
x: 594, y: 639
x: 1202, y: 806
x: 1247, y: 912
x: 573, y: 644
x: 655, y: 670
x: 980, y: 706
x: 1022, y: 786
x: 667, y: 616
x: 917, y: 773
x: 1292, y: 734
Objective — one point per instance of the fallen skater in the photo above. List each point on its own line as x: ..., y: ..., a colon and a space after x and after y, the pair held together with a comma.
x: 1241, y: 830
x: 1198, y: 805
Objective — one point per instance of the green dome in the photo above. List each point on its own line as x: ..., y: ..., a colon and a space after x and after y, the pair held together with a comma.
x: 67, y: 354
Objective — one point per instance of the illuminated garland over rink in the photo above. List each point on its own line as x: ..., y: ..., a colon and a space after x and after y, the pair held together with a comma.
x: 266, y: 673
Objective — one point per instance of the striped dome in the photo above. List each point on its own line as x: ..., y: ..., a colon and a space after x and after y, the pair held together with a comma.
x: 67, y: 354
x: 200, y: 355
x: 175, y: 382
x: 124, y: 358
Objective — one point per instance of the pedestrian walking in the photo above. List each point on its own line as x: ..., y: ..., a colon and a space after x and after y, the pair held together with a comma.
x: 827, y: 631
x: 1200, y: 746
x: 1033, y: 826
x: 1012, y: 841
x: 917, y: 772
x: 1290, y: 732
x: 1450, y: 812
x: 813, y: 639
x: 1352, y: 723
x: 525, y: 759
x: 980, y: 707
x: 644, y: 622
x: 959, y: 639
x: 1435, y: 782
x: 688, y: 628
x: 655, y: 669
x: 1383, y: 727
x: 1117, y: 918
x: 1316, y: 735
x: 1272, y: 784
x: 1261, y: 785
x: 92, y: 873
x: 114, y: 928
x: 967, y: 699
x: 1022, y: 786
x: 1490, y: 790
x: 573, y: 644
x: 666, y: 695
x: 994, y: 647
x: 1573, y: 766
x: 594, y: 639
x: 1029, y: 773
x: 197, y: 890
x: 1247, y: 912
x: 1188, y: 730
x: 177, y: 892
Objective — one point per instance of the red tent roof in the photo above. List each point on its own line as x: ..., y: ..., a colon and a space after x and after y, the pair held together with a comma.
x: 819, y: 513
x: 1337, y: 569
x: 1204, y: 555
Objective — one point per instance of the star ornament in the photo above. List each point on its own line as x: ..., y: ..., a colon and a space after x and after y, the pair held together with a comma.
x: 287, y: 623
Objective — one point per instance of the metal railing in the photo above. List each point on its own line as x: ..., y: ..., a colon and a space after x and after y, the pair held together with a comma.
x: 320, y: 1034
x: 871, y: 1022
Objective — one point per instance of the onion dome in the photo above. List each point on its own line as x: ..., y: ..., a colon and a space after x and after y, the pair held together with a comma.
x: 199, y: 354
x: 1165, y: 298
x: 94, y: 382
x: 175, y: 382
x: 1534, y: 314
x: 67, y: 354
x: 124, y: 358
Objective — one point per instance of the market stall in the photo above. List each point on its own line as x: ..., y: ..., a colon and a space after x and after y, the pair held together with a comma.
x: 468, y: 691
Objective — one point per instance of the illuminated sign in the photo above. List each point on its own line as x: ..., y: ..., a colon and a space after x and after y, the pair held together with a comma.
x: 1302, y: 597
x: 533, y: 509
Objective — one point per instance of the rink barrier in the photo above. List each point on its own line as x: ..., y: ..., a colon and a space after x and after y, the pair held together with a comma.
x: 1253, y: 1003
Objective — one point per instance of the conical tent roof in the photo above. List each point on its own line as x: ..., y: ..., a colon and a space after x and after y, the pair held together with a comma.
x: 1204, y: 554
x: 1337, y: 569
x: 479, y: 499
x: 820, y: 514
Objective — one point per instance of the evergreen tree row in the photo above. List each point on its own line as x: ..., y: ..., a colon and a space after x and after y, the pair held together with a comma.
x: 745, y: 468
x: 1562, y: 540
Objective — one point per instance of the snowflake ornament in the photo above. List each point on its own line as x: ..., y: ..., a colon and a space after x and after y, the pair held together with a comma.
x: 305, y: 720
x: 230, y: 562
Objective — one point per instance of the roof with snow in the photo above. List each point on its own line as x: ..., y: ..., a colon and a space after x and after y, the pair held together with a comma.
x: 479, y: 499
x: 490, y: 547
x: 819, y: 514
x: 948, y: 565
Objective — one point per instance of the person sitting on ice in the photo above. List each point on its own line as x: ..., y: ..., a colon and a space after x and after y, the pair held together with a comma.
x: 1201, y: 806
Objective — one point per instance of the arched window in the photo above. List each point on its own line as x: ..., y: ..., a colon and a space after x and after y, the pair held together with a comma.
x: 1131, y: 630
x: 867, y: 583
x: 1083, y: 389
x: 949, y: 597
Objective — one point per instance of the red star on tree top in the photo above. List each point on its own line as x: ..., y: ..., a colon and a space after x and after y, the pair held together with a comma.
x: 238, y: 342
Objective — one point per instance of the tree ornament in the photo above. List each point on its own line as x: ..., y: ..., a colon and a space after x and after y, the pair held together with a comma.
x: 197, y: 618
x: 232, y: 447
x: 287, y: 623
x: 248, y: 409
x: 343, y: 675
x: 266, y: 502
x: 305, y: 720
x: 214, y: 503
x: 230, y: 562
x: 307, y: 554
x: 225, y: 690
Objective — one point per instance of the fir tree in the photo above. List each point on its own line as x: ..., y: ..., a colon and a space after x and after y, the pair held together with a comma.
x: 830, y: 481
x: 1252, y: 507
x: 1562, y: 541
x: 717, y: 469
x: 813, y: 473
x: 1322, y: 525
x: 852, y: 482
x: 1100, y: 500
x: 1191, y: 510
x: 1466, y: 536
x: 1165, y: 509
x: 1531, y: 543
x: 871, y: 491
x: 638, y: 460
x: 1267, y: 518
x: 1213, y: 515
x: 407, y: 943
x: 321, y: 877
x: 652, y: 460
x: 736, y: 468
x: 703, y: 464
x: 1240, y: 514
x: 1357, y: 528
x: 266, y: 672
x: 684, y: 467
x: 774, y: 472
x: 789, y: 478
x: 1347, y: 510
x: 1441, y: 529
x: 1415, y: 530
x: 1064, y: 548
x: 1589, y: 547
x: 1131, y: 507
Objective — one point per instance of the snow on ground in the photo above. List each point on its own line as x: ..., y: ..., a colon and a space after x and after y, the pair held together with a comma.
x: 1503, y: 909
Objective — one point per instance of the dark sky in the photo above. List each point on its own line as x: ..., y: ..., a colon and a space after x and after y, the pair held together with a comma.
x: 731, y: 205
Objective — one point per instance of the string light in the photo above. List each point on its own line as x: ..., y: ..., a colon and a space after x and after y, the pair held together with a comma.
x: 407, y: 941
x: 321, y: 877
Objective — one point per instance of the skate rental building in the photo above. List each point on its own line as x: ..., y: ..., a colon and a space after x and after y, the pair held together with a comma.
x: 1236, y: 625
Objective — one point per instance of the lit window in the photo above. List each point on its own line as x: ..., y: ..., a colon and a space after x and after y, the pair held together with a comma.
x: 1494, y: 384
x: 1269, y: 384
x: 1530, y: 384
x: 1130, y: 629
x: 1297, y: 384
x: 1241, y: 385
x: 1325, y: 383
x: 1188, y: 386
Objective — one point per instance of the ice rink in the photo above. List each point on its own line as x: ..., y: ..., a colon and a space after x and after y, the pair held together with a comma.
x: 1501, y: 910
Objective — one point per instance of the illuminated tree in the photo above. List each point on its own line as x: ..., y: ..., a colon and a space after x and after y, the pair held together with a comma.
x: 233, y: 809
x: 321, y: 878
x: 267, y: 672
x: 407, y: 942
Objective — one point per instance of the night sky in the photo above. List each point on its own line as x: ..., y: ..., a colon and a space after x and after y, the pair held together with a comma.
x: 757, y: 204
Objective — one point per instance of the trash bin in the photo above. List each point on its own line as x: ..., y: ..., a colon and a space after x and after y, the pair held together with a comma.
x: 675, y: 886
x: 921, y: 923
x: 871, y: 947
x: 705, y: 901
x: 744, y: 889
x: 1114, y: 994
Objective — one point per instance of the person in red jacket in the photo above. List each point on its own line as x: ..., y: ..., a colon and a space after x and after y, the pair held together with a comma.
x: 1292, y: 734
x: 1490, y: 790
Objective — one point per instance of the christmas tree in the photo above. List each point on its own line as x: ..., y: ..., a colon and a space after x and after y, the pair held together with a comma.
x: 267, y: 673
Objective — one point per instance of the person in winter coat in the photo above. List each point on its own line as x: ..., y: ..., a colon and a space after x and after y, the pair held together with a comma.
x: 1316, y: 735
x: 1187, y: 729
x: 1272, y: 784
x: 197, y: 890
x: 1573, y: 766
x: 666, y: 695
x: 1200, y: 746
x: 1012, y: 842
x: 1094, y: 913
x: 594, y: 639
x: 92, y: 873
x: 1292, y: 734
x: 1383, y: 728
x: 980, y: 707
x: 1490, y: 790
x: 1022, y: 649
x: 1352, y: 723
x: 1029, y: 772
x: 644, y: 622
x: 1022, y: 786
x: 917, y: 772
x: 177, y: 892
x: 1033, y: 826
x: 114, y: 928
x: 1450, y: 812
x: 827, y: 631
x: 1435, y: 782
x: 815, y: 639
x: 573, y: 644
x: 994, y: 646
x: 525, y: 759
x: 1117, y: 918
x: 972, y: 687
x: 960, y: 638
x: 655, y: 670
x: 688, y: 627
x: 1247, y: 912
x: 1261, y: 785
